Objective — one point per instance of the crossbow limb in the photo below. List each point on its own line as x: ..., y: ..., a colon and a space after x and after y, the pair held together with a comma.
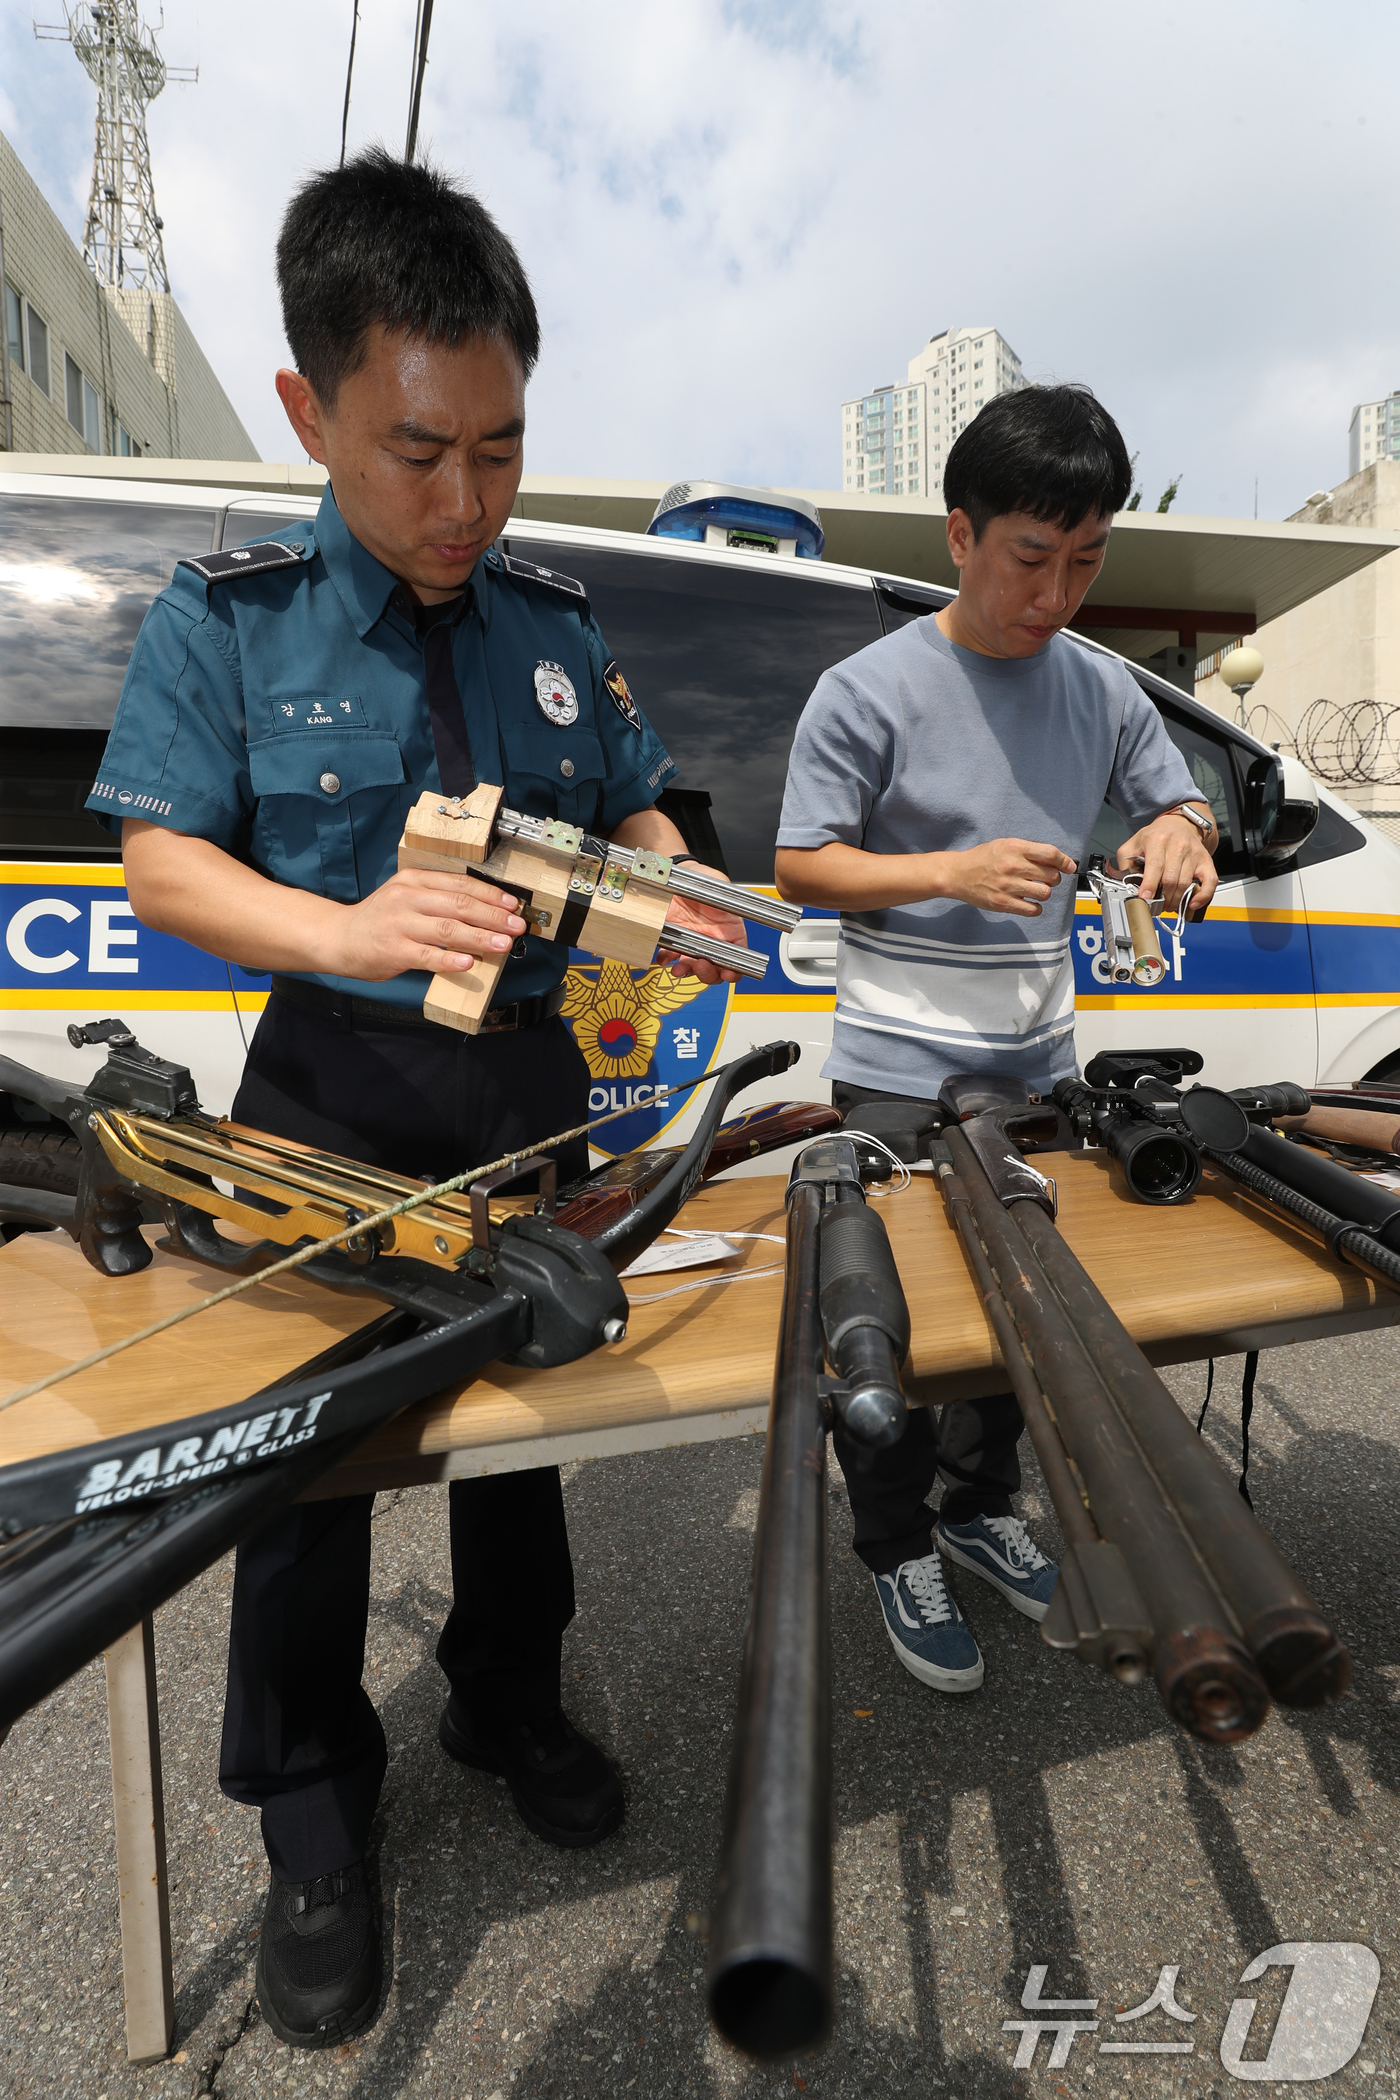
x: 100, y: 1535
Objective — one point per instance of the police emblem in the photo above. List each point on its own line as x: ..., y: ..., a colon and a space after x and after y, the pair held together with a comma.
x: 641, y: 1032
x: 554, y: 689
x: 622, y: 696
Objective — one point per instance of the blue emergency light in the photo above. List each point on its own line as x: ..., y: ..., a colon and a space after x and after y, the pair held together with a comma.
x: 718, y: 515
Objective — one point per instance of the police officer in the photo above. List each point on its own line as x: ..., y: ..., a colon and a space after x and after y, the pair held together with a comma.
x: 285, y: 706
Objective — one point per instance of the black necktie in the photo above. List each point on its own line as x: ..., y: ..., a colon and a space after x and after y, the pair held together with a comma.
x: 449, y: 724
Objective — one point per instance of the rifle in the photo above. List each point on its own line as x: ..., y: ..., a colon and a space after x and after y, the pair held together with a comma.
x: 1133, y: 1102
x: 572, y: 888
x: 769, y: 1983
x: 93, y: 1539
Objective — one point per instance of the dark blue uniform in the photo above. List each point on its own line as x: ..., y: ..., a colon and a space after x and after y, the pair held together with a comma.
x: 288, y: 705
x: 279, y: 711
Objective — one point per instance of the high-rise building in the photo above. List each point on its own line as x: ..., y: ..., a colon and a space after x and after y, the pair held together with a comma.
x: 1374, y: 433
x: 895, y: 439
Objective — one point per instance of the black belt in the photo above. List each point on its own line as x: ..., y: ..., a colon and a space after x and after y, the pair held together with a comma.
x: 351, y: 1011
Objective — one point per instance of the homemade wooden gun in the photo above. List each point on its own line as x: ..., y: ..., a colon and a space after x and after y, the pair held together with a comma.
x: 572, y: 888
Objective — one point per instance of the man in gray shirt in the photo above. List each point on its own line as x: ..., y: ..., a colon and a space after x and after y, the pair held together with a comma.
x: 942, y: 789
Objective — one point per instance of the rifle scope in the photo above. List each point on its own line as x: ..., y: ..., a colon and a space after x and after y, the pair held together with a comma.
x: 1285, y: 1099
x: 1157, y: 1165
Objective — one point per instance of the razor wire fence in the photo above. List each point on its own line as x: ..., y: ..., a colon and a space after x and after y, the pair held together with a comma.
x: 1350, y: 745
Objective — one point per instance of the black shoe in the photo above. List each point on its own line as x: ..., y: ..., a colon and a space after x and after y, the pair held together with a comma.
x: 318, y: 1959
x: 564, y: 1787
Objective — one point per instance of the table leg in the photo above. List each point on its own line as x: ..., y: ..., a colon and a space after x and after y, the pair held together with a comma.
x: 138, y: 1803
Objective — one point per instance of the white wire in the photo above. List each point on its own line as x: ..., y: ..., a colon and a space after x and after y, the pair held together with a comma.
x: 706, y: 1283
x: 1179, y: 932
x: 864, y: 1137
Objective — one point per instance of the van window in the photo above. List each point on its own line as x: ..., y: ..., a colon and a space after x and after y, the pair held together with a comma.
x: 242, y: 527
x: 46, y: 776
x: 1208, y: 759
x: 1329, y: 839
x: 76, y: 579
x: 902, y: 602
x: 722, y: 662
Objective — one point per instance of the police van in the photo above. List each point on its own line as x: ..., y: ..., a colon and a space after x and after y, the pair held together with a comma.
x: 723, y: 619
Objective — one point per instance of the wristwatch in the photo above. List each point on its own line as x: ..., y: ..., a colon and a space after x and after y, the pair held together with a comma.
x: 1204, y: 825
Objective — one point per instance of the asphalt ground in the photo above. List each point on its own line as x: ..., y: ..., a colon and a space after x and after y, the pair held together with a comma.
x: 1053, y: 1818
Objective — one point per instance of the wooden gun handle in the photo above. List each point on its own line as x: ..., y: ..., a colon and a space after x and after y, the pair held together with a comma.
x: 464, y: 1002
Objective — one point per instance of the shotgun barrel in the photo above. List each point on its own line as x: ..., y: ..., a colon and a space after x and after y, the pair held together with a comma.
x: 1206, y: 1676
x: 770, y: 1969
x: 770, y: 1972
x: 1299, y: 1655
x: 1257, y: 1597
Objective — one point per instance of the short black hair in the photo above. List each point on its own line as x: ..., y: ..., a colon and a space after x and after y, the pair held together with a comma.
x: 1051, y: 451
x: 379, y: 241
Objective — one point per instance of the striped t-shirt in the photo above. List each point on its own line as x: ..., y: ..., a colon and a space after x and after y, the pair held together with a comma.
x: 917, y: 746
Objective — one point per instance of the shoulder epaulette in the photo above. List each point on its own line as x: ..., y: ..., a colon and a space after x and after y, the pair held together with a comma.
x: 245, y: 561
x: 531, y: 572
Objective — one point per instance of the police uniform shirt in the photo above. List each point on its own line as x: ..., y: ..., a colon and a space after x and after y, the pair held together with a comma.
x: 279, y: 710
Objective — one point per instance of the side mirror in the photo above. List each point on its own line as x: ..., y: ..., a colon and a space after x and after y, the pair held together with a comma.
x: 1280, y: 809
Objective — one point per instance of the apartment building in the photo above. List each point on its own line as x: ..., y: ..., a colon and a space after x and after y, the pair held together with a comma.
x: 896, y: 438
x: 1374, y: 433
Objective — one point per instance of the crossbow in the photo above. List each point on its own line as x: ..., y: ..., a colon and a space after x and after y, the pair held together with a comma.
x: 94, y: 1538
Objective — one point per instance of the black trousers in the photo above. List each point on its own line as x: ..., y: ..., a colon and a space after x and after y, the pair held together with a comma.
x: 301, y: 1738
x: 970, y: 1443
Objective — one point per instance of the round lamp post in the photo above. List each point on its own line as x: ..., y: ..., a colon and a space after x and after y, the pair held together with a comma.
x: 1241, y: 669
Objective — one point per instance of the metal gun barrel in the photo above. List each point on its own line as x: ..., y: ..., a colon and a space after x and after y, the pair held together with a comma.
x: 1298, y: 1653
x: 1117, y: 1639
x: 1206, y: 1676
x: 770, y: 1969
x: 733, y: 897
x: 1352, y: 1243
x: 1327, y: 1183
x: 701, y: 889
x: 685, y: 941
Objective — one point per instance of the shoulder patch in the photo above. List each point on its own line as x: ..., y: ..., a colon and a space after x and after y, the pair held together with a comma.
x: 622, y: 695
x: 244, y: 561
x: 531, y: 572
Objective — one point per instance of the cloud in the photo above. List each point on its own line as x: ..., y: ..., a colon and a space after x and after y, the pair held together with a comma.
x: 736, y: 216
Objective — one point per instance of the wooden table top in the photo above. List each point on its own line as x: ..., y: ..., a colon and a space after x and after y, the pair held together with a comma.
x: 1210, y: 1276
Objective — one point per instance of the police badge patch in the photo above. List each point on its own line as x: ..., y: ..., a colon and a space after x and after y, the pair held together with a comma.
x: 554, y: 689
x: 622, y: 696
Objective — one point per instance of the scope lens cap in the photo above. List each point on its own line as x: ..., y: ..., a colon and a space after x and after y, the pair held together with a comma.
x: 1214, y: 1119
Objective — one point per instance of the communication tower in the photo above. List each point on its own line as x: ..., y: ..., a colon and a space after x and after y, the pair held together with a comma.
x: 122, y: 238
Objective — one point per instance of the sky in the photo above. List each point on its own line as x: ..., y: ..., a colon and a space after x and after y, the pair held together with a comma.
x: 737, y: 214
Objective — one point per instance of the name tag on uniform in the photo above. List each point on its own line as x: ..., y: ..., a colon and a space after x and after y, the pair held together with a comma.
x: 317, y: 711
